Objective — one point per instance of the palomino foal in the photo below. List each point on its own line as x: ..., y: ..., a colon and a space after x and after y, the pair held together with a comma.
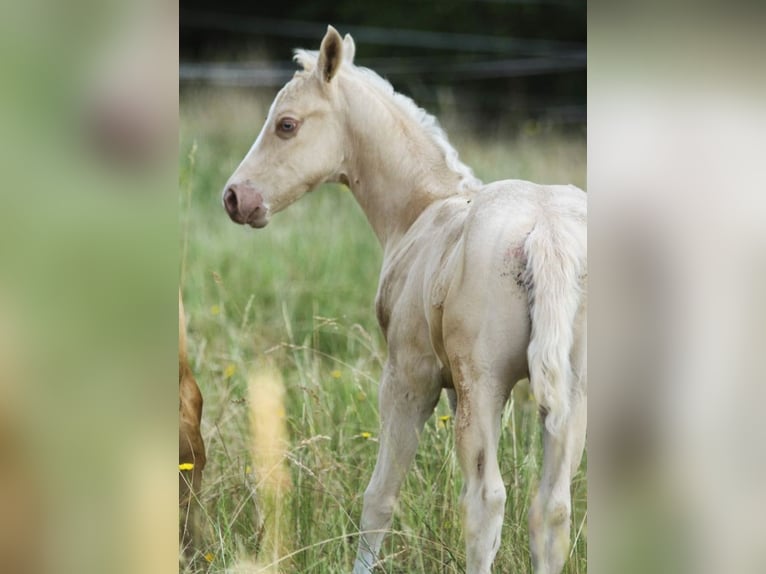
x: 482, y: 285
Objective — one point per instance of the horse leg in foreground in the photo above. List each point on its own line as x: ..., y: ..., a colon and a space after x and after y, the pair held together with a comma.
x: 191, y: 448
x: 481, y: 285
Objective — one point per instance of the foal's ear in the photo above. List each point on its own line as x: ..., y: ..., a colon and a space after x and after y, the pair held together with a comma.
x: 349, y: 48
x: 330, y: 54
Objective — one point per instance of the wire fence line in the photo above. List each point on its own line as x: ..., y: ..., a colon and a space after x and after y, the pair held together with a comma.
x: 261, y: 74
x: 266, y: 75
x: 452, y: 41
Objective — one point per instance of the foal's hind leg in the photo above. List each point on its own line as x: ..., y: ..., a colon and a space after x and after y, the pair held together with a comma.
x: 407, y: 397
x: 486, y: 346
x: 481, y: 398
x: 550, y: 512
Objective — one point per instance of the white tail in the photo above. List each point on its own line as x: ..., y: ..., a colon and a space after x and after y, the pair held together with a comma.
x: 556, y: 260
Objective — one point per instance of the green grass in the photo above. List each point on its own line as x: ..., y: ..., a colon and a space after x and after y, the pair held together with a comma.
x: 301, y: 292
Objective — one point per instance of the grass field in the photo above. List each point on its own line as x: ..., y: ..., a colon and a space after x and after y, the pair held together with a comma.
x: 300, y: 293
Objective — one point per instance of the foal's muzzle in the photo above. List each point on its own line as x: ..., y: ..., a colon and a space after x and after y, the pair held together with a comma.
x: 245, y: 205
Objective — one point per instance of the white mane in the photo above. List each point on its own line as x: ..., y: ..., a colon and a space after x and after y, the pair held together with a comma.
x: 468, y: 181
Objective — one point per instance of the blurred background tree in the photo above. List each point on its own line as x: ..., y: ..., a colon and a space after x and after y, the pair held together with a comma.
x: 498, y: 65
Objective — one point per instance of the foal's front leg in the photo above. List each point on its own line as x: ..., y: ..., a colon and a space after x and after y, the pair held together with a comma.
x: 406, y: 400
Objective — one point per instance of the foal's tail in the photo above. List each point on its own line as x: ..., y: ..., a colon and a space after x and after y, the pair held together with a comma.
x: 556, y: 263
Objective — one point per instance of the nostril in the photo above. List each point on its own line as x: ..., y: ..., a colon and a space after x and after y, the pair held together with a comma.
x: 230, y: 200
x: 244, y: 204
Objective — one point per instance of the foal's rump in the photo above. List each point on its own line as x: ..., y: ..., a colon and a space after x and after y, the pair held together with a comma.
x: 556, y: 250
x: 520, y: 284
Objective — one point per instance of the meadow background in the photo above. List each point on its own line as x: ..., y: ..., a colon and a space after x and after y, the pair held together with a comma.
x: 300, y: 295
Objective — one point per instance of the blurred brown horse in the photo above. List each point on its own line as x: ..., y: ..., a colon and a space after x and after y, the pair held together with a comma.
x: 191, y: 447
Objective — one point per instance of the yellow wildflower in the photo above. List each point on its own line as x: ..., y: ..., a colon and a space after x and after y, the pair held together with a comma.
x: 209, y: 556
x: 229, y: 371
x: 445, y: 418
x: 215, y: 310
x: 186, y: 466
x: 335, y: 374
x: 365, y: 435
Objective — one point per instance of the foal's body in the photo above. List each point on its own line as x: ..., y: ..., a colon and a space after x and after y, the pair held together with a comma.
x: 481, y: 285
x: 454, y: 307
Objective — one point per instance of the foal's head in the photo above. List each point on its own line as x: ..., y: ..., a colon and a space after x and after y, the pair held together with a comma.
x: 301, y: 143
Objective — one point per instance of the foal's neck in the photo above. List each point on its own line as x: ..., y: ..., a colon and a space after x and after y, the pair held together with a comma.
x: 395, y: 169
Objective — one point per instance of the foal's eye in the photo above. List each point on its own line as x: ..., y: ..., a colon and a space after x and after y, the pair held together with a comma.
x: 287, y: 126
